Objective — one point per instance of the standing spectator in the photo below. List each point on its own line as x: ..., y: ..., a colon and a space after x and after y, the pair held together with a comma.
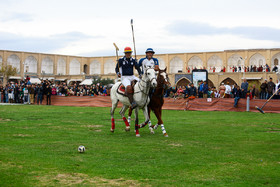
x: 244, y: 88
x: 36, y: 92
x: 1, y: 92
x: 10, y: 94
x: 216, y: 93
x: 25, y: 92
x: 192, y: 91
x: 237, y: 96
x: 16, y: 94
x: 233, y: 90
x: 270, y: 88
x: 228, y: 90
x: 254, y: 92
x: 263, y: 94
x: 53, y: 90
x: 40, y: 92
x: 29, y: 90
x: 222, y: 90
x: 48, y: 94
x: 21, y: 95
x: 205, y: 89
x: 32, y: 93
x: 200, y: 90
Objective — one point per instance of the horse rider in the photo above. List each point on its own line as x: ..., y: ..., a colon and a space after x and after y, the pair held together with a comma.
x: 124, y: 69
x: 149, y: 60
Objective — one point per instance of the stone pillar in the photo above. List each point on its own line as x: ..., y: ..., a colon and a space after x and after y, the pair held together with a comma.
x: 204, y: 60
x: 22, y: 65
x: 4, y: 61
x: 102, y: 65
x: 246, y: 63
x: 55, y: 65
x: 268, y: 58
x: 39, y: 72
x: 185, y: 63
x: 225, y: 60
x: 167, y: 63
x: 81, y: 66
x: 67, y: 65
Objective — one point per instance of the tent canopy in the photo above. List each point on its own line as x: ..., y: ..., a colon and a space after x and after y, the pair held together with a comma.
x: 15, y: 77
x: 87, y: 82
x: 35, y: 80
x: 252, y: 78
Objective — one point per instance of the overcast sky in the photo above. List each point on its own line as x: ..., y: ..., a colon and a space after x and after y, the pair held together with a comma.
x: 89, y: 27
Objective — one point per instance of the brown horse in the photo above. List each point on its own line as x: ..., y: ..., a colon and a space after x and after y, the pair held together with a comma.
x: 156, y: 102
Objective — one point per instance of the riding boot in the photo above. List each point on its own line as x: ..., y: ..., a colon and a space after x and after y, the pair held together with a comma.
x: 129, y: 93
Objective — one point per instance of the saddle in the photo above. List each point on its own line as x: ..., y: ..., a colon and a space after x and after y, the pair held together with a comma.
x: 121, y: 88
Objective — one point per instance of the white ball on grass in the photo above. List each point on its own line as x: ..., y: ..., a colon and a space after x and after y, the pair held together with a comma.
x: 81, y: 149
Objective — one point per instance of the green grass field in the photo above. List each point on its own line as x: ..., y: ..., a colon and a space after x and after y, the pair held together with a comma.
x: 38, y: 147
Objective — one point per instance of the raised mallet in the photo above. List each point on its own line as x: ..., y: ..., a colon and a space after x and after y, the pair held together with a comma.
x: 261, y: 109
x: 117, y: 54
x: 131, y: 22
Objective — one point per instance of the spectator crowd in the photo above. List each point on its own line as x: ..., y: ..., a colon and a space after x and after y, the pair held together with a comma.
x: 27, y: 93
x: 265, y: 91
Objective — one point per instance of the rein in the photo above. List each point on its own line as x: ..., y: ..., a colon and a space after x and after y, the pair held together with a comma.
x: 148, y: 85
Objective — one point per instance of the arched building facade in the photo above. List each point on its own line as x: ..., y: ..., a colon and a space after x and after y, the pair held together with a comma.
x: 63, y: 67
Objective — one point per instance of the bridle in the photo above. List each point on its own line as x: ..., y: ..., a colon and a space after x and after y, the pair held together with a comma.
x: 147, y: 82
x: 162, y: 82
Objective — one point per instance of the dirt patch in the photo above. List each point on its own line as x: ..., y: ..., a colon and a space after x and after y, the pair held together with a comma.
x: 176, y: 145
x: 9, y: 165
x: 273, y: 131
x: 25, y: 127
x: 98, y: 130
x: 22, y: 135
x: 92, y: 126
x: 67, y: 179
x: 4, y: 120
x: 46, y: 124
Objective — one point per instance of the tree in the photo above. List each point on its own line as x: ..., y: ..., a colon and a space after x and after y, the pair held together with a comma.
x: 6, y: 71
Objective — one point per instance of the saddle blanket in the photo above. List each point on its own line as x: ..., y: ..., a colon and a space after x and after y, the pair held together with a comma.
x: 121, y: 90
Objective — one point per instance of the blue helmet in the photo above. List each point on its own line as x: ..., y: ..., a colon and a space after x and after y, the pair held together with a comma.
x: 150, y: 50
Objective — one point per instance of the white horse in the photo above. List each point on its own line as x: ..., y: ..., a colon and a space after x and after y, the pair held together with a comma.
x: 140, y: 96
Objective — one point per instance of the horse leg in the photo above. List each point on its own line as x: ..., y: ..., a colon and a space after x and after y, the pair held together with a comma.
x: 114, y: 106
x: 122, y: 112
x: 129, y: 115
x: 151, y: 128
x: 146, y: 115
x: 136, y: 122
x: 158, y: 115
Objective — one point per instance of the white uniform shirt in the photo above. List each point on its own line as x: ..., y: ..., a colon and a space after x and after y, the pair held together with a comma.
x: 145, y: 61
x: 228, y: 89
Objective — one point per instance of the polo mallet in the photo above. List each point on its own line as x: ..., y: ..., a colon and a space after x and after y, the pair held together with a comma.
x: 133, y: 37
x: 261, y: 109
x: 117, y: 54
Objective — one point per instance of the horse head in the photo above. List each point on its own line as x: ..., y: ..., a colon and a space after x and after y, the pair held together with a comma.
x: 163, y: 79
x: 150, y: 75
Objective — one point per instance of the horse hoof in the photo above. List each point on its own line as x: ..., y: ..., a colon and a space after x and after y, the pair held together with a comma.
x: 112, y: 130
x: 127, y: 129
x: 152, y: 132
x: 165, y: 135
x: 137, y: 135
